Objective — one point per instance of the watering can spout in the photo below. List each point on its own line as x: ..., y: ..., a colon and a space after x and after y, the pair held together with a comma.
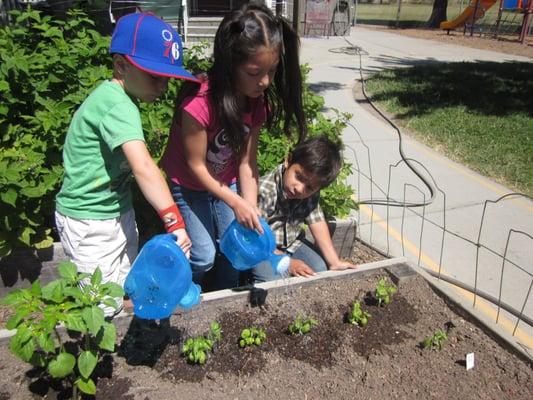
x: 280, y: 263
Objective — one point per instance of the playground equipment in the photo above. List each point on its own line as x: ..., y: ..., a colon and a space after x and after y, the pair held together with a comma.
x: 514, y: 8
x: 475, y: 10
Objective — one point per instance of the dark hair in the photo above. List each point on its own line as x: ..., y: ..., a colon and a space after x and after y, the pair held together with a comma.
x: 319, y: 156
x: 239, y: 35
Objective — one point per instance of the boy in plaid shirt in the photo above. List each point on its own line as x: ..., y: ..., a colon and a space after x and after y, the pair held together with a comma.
x: 289, y: 197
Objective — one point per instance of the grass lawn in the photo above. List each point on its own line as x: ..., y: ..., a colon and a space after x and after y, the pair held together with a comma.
x: 480, y: 114
x: 413, y: 15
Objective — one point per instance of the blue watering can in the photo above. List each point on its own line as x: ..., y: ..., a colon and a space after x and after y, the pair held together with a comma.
x: 245, y: 248
x: 160, y: 279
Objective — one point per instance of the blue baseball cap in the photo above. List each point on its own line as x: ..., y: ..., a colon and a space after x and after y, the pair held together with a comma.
x: 151, y: 45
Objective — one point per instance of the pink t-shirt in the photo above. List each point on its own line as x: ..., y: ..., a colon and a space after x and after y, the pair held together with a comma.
x: 220, y: 157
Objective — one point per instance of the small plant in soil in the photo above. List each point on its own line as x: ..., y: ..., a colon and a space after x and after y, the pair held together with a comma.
x: 436, y: 341
x: 301, y: 325
x: 252, y: 336
x: 39, y: 311
x: 384, y: 292
x: 357, y: 316
x: 196, y: 349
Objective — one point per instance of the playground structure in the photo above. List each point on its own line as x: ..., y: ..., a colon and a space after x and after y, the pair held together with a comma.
x: 477, y: 8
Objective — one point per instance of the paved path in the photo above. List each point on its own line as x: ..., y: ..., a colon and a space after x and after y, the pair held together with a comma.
x: 373, y: 147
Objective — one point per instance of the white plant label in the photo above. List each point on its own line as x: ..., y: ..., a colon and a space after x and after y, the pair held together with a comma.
x: 469, y: 361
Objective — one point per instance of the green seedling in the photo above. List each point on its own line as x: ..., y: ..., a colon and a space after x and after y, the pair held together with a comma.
x: 39, y: 311
x: 252, y: 336
x: 384, y: 292
x: 196, y: 349
x: 301, y: 325
x: 357, y: 316
x: 436, y: 341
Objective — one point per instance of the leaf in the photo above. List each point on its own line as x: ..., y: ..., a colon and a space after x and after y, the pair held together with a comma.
x: 35, y: 289
x: 96, y: 277
x: 46, y: 342
x: 110, y: 302
x: 16, y: 319
x: 68, y: 270
x: 9, y: 197
x: 112, y: 289
x: 53, y: 291
x: 86, y: 363
x: 86, y: 385
x: 21, y: 344
x: 16, y: 297
x: 94, y: 318
x: 45, y: 243
x: 108, y: 337
x: 62, y: 365
x: 75, y: 322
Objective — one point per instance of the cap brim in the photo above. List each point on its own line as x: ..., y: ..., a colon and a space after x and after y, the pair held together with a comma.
x: 167, y: 70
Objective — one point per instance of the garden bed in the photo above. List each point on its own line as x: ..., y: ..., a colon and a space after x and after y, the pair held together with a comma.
x: 335, y: 360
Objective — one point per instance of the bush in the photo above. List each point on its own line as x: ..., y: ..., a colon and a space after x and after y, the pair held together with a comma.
x: 47, y: 68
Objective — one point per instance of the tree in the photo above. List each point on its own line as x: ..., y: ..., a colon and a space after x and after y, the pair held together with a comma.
x: 438, y: 14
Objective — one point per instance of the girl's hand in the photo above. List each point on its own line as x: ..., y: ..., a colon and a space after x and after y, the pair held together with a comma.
x: 248, y: 215
x: 299, y: 268
x: 183, y: 241
x: 342, y: 265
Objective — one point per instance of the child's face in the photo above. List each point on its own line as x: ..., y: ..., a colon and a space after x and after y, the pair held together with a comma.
x: 142, y: 85
x: 298, y: 183
x: 255, y: 75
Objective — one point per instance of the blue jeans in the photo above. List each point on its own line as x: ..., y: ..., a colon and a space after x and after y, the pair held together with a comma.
x: 264, y: 272
x: 206, y: 218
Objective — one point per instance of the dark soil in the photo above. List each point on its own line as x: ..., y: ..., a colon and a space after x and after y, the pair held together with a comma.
x: 336, y: 360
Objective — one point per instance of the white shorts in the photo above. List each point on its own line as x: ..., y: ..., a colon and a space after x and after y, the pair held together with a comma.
x: 110, y: 244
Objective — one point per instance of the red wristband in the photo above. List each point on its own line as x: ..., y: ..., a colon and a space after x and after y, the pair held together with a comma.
x: 172, y: 218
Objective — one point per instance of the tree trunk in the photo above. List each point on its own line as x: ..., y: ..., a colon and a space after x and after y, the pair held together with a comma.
x: 438, y: 14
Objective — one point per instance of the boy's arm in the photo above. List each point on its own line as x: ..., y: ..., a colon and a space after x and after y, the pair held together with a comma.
x: 195, y: 145
x: 154, y: 187
x: 320, y: 232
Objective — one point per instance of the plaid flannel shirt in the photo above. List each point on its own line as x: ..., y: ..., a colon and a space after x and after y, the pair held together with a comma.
x: 286, y: 217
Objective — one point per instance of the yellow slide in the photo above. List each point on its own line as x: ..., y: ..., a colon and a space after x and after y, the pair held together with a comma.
x: 468, y: 14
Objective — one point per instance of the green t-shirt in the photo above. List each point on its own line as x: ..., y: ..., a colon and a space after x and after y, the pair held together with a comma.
x: 97, y: 177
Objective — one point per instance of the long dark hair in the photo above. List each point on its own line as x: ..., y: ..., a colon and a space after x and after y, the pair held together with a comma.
x: 239, y: 35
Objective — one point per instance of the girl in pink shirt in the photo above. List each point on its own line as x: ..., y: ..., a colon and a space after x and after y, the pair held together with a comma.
x: 210, y: 159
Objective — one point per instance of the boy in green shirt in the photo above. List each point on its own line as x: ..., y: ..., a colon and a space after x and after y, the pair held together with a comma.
x: 105, y: 146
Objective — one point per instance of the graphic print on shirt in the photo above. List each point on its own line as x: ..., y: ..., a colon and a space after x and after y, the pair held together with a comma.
x: 219, y: 152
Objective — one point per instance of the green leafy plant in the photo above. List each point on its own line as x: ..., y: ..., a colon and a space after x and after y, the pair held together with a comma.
x: 252, y: 336
x: 301, y: 325
x: 47, y: 68
x: 357, y: 316
x: 196, y: 349
x: 384, y: 292
x: 436, y: 341
x: 39, y: 311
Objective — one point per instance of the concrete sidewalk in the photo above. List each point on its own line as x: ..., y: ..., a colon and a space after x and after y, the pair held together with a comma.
x: 372, y: 147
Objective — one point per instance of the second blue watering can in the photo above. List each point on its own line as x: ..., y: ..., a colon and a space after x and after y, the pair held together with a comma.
x: 245, y: 248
